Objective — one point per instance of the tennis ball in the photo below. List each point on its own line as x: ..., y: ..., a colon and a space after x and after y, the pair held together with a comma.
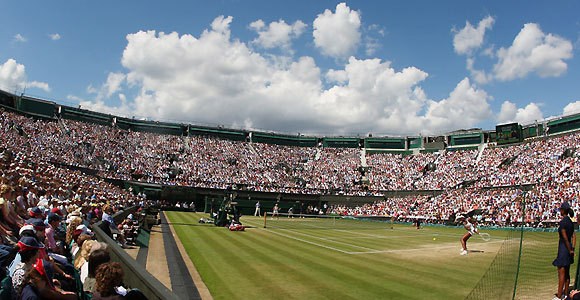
x: 434, y: 239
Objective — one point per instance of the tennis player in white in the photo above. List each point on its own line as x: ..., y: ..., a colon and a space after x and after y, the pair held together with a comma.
x: 470, y: 224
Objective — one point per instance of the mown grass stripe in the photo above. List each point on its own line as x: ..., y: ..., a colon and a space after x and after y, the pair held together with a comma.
x: 308, y: 271
x: 355, y: 272
x: 295, y: 275
x: 400, y: 272
x: 203, y: 255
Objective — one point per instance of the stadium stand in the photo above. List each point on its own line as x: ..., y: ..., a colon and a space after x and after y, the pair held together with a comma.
x: 78, y: 164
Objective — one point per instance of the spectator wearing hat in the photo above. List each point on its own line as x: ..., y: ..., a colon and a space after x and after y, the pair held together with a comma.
x: 565, y: 255
x: 84, y: 229
x: 83, y: 255
x: 53, y: 223
x: 39, y: 283
x: 36, y: 212
x: 28, y: 248
x: 26, y: 231
x: 78, y: 240
x: 7, y: 254
x: 39, y: 226
x: 56, y: 210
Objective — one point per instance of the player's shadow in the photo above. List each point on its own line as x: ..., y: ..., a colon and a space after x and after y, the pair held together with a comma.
x: 475, y: 251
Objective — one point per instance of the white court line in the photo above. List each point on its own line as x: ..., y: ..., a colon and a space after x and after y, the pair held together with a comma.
x: 377, y: 237
x: 352, y: 231
x: 408, y: 250
x: 409, y: 234
x: 443, y: 234
x: 372, y: 251
x: 309, y: 242
x: 328, y: 239
x: 301, y: 240
x: 357, y: 232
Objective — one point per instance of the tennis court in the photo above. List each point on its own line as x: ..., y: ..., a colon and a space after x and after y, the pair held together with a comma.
x: 296, y: 258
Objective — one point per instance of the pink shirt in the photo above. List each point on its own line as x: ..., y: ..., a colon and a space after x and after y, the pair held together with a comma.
x: 51, y: 243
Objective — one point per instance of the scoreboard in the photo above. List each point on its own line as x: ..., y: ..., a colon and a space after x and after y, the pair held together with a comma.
x: 508, y: 133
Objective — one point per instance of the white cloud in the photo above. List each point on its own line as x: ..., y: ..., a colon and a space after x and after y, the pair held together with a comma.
x: 39, y: 85
x: 489, y: 51
x: 20, y: 38
x: 470, y: 38
x: 277, y: 34
x: 214, y: 78
x: 112, y: 85
x: 466, y: 106
x: 221, y: 24
x: 91, y: 89
x: 13, y: 77
x: 510, y: 113
x: 572, y: 108
x: 337, y: 34
x: 373, y: 34
x: 336, y: 76
x: 533, y: 51
x: 54, y: 36
x: 480, y: 76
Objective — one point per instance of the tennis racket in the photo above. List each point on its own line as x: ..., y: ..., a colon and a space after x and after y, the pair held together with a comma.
x: 485, y: 236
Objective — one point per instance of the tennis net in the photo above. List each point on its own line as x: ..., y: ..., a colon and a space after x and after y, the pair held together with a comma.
x: 302, y: 221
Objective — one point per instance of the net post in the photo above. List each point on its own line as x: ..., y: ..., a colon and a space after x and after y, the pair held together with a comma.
x: 265, y: 218
x: 521, y: 242
x: 577, y: 278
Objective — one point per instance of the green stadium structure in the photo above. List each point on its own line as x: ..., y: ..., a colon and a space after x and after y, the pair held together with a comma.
x: 40, y: 108
x: 519, y: 246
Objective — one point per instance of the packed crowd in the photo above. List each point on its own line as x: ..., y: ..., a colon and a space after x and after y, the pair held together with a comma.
x: 499, y: 207
x: 210, y: 162
x: 47, y: 250
x: 216, y: 163
x: 395, y: 171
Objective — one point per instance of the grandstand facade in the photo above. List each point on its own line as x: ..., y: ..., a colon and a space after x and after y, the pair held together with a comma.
x: 201, y: 164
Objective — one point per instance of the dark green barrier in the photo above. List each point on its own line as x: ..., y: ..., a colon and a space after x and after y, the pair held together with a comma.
x: 136, y: 276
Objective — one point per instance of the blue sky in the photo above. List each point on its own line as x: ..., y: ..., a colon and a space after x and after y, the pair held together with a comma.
x: 327, y: 67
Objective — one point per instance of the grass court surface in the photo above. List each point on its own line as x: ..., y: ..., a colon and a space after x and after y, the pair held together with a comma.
x: 308, y: 261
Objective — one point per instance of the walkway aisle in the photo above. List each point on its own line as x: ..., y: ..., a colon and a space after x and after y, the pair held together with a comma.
x: 156, y: 264
x: 165, y: 258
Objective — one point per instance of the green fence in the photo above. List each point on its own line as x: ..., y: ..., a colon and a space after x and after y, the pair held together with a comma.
x: 136, y: 276
x: 522, y: 268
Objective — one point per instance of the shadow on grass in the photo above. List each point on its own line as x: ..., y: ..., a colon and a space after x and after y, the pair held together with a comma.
x: 201, y: 225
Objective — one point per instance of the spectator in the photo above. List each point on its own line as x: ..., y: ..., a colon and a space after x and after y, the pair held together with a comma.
x: 566, y: 245
x: 96, y: 258
x: 39, y: 283
x: 53, y: 223
x: 108, y: 282
x: 28, y: 248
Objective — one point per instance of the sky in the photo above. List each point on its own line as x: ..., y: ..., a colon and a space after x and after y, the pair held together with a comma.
x: 311, y: 67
